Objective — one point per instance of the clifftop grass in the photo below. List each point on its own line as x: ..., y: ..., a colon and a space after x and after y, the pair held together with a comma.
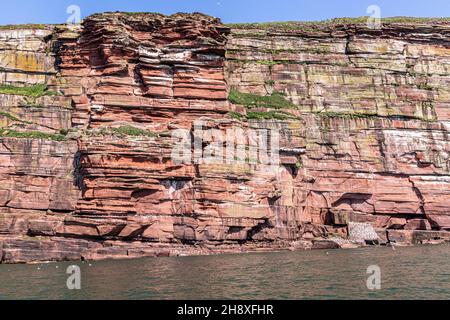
x: 292, y: 25
x: 23, y: 26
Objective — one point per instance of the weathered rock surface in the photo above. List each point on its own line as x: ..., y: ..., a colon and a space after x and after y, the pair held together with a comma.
x: 87, y: 169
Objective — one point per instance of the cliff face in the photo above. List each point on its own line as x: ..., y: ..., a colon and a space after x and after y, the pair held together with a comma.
x: 375, y: 112
x: 88, y: 115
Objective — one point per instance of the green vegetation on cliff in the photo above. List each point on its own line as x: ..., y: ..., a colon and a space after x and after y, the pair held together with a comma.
x: 275, y: 101
x: 345, y: 115
x: 31, y: 135
x: 35, y: 91
x: 236, y: 115
x: 269, y: 115
x: 12, y: 117
x: 122, y: 131
x: 249, y: 100
x: 133, y: 131
x: 262, y: 115
x: 361, y: 115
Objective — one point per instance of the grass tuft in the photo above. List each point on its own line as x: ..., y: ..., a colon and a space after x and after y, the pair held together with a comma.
x: 235, y: 115
x: 133, y: 131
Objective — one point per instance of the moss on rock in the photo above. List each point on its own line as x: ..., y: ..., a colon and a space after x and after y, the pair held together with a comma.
x: 249, y: 100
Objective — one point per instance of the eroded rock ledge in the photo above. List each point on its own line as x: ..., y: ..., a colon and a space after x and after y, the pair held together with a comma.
x: 87, y: 114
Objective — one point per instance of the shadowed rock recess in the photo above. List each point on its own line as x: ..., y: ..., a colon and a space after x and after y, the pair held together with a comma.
x: 87, y: 114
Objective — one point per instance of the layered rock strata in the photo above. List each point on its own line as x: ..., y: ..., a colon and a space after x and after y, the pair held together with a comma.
x: 90, y: 114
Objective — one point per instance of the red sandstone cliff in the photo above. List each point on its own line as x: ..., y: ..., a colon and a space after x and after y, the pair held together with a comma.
x: 87, y: 168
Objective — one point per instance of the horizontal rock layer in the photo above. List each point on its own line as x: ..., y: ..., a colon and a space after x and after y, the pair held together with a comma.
x: 361, y: 117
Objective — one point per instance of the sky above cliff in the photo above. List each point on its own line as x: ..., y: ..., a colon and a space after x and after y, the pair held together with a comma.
x: 55, y: 11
